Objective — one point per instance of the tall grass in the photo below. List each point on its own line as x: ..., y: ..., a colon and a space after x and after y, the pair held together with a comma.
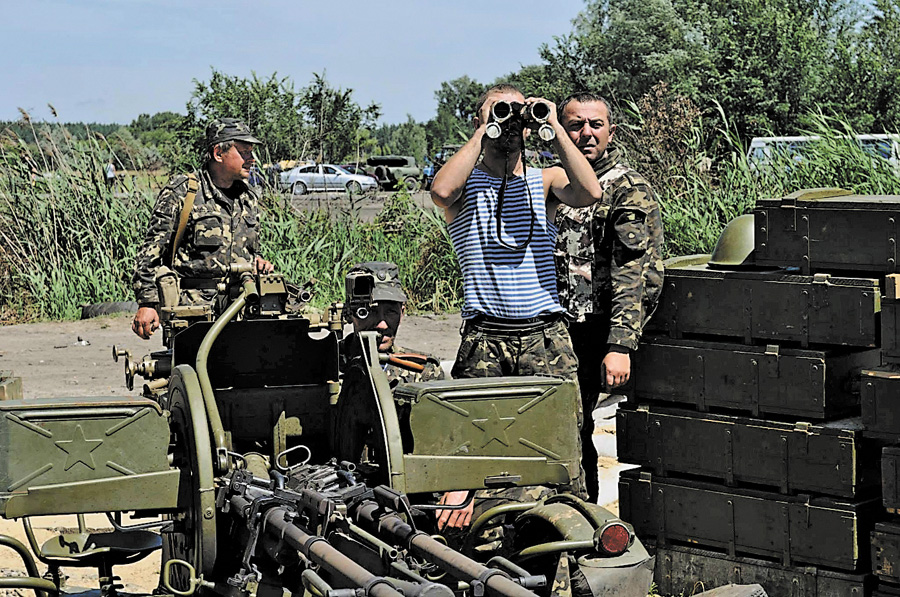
x: 702, y: 194
x: 67, y: 240
x: 323, y: 245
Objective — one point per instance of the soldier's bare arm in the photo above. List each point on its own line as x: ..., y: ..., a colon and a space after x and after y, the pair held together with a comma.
x: 449, y: 182
x: 263, y: 266
x: 146, y: 321
x: 455, y: 519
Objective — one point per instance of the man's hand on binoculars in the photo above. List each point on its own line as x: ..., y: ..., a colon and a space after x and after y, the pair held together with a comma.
x: 551, y: 115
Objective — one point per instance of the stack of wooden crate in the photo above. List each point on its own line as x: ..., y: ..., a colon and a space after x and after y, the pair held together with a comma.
x: 880, y: 396
x: 757, y: 462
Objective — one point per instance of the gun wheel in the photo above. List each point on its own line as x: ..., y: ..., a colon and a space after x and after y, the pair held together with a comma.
x: 193, y: 538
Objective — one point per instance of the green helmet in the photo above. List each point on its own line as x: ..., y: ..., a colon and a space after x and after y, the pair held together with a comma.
x: 736, y: 244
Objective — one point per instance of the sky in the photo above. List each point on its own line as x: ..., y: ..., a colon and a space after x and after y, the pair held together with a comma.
x: 111, y: 60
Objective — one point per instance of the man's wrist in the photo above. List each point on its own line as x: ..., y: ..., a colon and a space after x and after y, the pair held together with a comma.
x: 618, y: 348
x: 148, y: 305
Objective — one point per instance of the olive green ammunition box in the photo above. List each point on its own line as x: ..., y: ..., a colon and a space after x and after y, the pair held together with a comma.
x: 490, y: 432
x: 829, y: 458
x: 850, y: 233
x: 680, y: 569
x: 792, y: 529
x: 890, y: 330
x: 73, y: 455
x: 769, y: 306
x: 890, y: 477
x: 880, y: 401
x: 885, y: 590
x: 812, y: 384
x: 10, y: 386
x: 886, y: 551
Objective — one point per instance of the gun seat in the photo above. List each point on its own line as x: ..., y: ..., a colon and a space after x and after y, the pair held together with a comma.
x: 85, y: 549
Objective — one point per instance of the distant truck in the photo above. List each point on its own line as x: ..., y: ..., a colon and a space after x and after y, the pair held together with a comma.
x: 762, y: 150
x: 392, y: 171
x: 438, y: 161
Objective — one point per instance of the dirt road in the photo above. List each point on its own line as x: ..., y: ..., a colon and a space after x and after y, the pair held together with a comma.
x: 74, y: 358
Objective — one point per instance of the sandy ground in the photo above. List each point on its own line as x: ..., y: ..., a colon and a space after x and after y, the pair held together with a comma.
x: 75, y: 359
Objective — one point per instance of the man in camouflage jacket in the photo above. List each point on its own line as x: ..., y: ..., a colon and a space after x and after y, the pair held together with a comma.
x: 222, y: 226
x: 608, y: 261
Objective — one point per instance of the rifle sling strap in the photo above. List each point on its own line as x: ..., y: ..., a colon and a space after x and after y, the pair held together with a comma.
x: 193, y: 187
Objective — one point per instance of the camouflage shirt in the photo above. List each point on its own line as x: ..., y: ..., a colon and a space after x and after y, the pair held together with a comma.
x: 609, y: 255
x: 219, y: 230
x: 396, y: 374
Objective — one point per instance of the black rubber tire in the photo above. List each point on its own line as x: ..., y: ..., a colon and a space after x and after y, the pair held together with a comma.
x: 354, y: 188
x: 100, y: 309
x: 298, y: 188
x: 411, y: 183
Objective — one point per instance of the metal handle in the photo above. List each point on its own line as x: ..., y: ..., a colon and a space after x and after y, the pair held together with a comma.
x: 193, y: 580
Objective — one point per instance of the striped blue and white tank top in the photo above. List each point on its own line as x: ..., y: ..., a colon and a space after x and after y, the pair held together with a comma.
x: 498, y: 281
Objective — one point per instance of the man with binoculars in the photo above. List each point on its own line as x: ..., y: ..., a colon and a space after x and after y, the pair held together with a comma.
x: 503, y: 234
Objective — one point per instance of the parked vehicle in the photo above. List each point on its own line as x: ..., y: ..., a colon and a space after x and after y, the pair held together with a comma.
x: 439, y: 159
x: 393, y: 170
x: 358, y: 169
x: 763, y: 149
x: 325, y: 177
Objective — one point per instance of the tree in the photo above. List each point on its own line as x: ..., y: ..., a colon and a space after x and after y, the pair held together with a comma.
x: 407, y: 138
x: 765, y: 62
x: 456, y: 101
x: 157, y: 130
x: 335, y: 119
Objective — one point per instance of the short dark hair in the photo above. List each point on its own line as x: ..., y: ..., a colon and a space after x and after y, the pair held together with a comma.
x: 584, y: 97
x: 224, y: 147
x: 500, y: 88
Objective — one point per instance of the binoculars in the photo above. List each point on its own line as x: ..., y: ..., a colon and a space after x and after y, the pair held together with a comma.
x: 518, y: 115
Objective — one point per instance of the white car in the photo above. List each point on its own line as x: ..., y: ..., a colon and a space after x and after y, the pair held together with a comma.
x: 325, y: 177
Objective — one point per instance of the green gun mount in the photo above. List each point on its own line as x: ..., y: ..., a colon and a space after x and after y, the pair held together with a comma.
x: 277, y: 473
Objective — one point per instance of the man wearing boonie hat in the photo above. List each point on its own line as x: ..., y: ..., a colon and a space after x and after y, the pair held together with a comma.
x: 375, y: 302
x: 201, y: 224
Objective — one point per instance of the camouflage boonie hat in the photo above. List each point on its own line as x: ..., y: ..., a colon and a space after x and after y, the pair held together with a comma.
x: 383, y: 282
x: 229, y: 129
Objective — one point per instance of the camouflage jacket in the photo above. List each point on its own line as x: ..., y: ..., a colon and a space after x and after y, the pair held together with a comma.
x: 219, y: 230
x: 396, y: 374
x: 609, y: 255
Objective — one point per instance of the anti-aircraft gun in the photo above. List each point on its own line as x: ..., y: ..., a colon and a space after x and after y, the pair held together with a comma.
x: 275, y: 469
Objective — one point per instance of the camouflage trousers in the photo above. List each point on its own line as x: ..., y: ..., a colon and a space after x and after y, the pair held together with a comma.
x: 496, y: 538
x: 545, y: 349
